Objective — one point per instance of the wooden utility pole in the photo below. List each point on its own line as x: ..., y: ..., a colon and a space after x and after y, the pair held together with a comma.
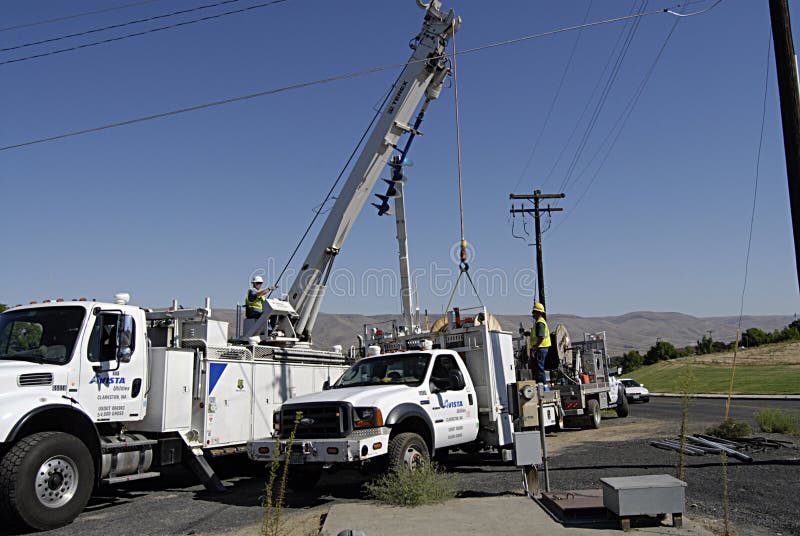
x: 536, y: 211
x: 786, y: 65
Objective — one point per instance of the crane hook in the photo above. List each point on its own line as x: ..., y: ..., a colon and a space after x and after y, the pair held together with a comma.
x: 423, y: 5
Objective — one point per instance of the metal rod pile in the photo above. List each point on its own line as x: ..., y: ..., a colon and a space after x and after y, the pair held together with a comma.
x: 699, y: 444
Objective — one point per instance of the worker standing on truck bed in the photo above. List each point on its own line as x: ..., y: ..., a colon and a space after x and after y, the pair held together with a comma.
x: 540, y: 342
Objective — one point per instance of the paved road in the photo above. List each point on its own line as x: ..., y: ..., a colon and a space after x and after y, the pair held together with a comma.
x: 174, y: 504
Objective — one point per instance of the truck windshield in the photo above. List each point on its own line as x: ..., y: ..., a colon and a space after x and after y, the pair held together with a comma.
x: 41, y: 335
x: 408, y: 369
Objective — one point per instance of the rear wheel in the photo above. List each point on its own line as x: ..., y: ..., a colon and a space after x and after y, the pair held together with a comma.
x: 46, y: 480
x: 407, y: 451
x: 303, y: 478
x: 623, y: 408
x: 593, y: 413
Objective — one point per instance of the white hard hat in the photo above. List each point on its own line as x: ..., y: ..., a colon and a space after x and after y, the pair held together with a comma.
x: 258, y: 279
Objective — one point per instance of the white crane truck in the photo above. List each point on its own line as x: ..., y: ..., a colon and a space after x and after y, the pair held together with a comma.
x: 97, y: 393
x: 458, y: 390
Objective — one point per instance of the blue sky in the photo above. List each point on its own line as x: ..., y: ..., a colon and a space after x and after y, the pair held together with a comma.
x: 190, y: 206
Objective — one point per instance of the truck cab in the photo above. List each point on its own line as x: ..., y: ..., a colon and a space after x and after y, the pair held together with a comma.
x: 65, y: 369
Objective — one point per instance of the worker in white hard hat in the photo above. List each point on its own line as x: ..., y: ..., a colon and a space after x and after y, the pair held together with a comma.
x: 254, y: 304
x: 540, y: 342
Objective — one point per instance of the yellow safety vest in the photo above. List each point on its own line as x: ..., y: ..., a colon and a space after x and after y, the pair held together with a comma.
x: 256, y: 304
x: 546, y: 342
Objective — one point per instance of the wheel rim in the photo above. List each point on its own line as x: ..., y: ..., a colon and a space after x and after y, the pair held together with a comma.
x: 413, y: 458
x: 56, y: 481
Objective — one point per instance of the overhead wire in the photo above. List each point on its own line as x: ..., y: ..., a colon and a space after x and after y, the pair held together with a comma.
x: 120, y: 25
x: 752, y: 222
x: 328, y: 196
x: 316, y: 82
x: 587, y: 106
x: 593, y: 120
x: 76, y: 15
x: 553, y: 100
x: 144, y: 32
x: 622, y: 121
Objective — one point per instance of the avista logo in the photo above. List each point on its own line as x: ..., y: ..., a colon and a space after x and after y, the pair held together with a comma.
x: 453, y: 404
x: 107, y: 380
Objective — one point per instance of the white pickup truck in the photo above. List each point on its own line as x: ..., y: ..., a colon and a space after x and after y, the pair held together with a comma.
x: 400, y: 408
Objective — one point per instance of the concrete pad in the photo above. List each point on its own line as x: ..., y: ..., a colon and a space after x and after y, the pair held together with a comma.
x: 506, y: 515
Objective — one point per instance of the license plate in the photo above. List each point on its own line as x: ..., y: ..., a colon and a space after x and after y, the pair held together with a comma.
x: 635, y: 397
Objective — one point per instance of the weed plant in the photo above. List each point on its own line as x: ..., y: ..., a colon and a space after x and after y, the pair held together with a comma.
x: 278, y: 473
x: 778, y: 421
x: 730, y: 429
x: 427, y: 484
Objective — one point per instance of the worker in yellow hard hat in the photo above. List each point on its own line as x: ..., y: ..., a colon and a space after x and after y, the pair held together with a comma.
x: 540, y: 342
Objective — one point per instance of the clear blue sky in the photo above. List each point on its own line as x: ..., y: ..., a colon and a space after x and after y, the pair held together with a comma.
x: 190, y: 206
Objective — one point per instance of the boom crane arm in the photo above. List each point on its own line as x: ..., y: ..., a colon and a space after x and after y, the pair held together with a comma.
x: 421, y: 78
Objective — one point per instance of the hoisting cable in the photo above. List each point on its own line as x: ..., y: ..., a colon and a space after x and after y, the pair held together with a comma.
x: 463, y: 264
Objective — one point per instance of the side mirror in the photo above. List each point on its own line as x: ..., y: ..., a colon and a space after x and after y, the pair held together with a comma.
x: 124, y: 338
x: 326, y: 386
x: 456, y: 380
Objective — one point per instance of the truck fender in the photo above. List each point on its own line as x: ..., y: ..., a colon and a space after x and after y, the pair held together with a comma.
x: 59, y: 418
x: 408, y: 410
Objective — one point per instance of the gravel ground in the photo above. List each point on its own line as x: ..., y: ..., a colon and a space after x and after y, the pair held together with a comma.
x: 762, y: 495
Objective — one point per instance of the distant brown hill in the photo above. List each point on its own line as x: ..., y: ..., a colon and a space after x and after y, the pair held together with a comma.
x: 632, y: 331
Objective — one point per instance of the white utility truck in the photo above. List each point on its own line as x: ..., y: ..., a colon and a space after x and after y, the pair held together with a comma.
x: 454, y: 387
x: 582, y: 376
x: 108, y: 392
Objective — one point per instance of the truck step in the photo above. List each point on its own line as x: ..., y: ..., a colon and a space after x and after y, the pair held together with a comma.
x: 130, y: 478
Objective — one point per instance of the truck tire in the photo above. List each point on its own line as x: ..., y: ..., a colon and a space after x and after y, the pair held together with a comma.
x: 623, y: 408
x: 303, y: 478
x: 407, y: 451
x: 46, y: 480
x: 592, y: 413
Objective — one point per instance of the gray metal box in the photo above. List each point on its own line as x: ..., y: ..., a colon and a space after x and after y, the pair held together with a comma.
x: 527, y: 448
x: 169, y: 400
x: 644, y: 495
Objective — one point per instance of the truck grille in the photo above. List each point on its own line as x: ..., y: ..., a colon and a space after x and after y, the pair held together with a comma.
x: 319, y: 421
x: 37, y: 378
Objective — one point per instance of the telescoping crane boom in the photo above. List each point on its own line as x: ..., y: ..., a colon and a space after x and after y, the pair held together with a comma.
x: 421, y: 78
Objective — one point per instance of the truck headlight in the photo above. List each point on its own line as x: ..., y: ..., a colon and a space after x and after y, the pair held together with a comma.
x: 367, y: 418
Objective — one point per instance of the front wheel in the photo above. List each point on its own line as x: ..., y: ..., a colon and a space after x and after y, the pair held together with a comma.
x: 46, y: 480
x: 407, y: 451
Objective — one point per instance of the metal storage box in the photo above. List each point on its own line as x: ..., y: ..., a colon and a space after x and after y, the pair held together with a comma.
x: 169, y: 404
x: 644, y: 495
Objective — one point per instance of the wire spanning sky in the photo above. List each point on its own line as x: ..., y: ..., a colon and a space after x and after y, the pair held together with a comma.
x: 192, y: 205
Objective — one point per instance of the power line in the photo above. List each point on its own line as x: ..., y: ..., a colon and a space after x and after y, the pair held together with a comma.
x: 553, y: 101
x: 594, y: 91
x: 121, y: 25
x: 75, y: 16
x: 622, y: 121
x: 755, y: 187
x: 145, y: 32
x: 316, y: 82
x: 615, y: 70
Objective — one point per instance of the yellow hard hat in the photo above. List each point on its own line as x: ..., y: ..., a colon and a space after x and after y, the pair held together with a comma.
x: 538, y: 308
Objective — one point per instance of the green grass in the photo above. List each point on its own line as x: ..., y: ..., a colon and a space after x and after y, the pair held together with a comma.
x: 750, y: 379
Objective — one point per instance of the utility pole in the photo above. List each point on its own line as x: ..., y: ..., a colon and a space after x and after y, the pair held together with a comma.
x: 537, y: 211
x: 786, y: 65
